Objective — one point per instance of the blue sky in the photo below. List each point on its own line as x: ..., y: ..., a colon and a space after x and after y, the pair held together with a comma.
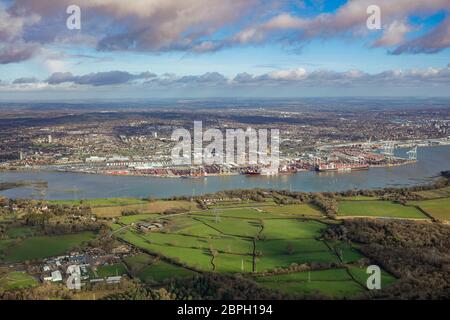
x: 198, y: 47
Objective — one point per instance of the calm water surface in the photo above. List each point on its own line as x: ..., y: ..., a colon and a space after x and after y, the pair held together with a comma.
x: 431, y: 160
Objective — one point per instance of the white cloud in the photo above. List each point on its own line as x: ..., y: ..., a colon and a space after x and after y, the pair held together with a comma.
x: 290, y: 75
x: 394, y: 34
x: 290, y: 78
x: 351, y: 19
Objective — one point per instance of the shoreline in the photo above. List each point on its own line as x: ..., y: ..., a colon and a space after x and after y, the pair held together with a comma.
x: 37, y: 170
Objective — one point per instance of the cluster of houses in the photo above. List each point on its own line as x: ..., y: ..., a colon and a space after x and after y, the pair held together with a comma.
x: 209, y: 201
x: 83, y: 266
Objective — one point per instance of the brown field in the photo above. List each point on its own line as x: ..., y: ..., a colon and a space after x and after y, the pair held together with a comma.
x: 437, y: 208
x: 150, y: 207
x: 433, y: 194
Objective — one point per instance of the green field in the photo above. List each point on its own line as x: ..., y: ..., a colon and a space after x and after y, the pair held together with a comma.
x: 244, y: 213
x: 291, y: 228
x: 378, y: 208
x: 232, y: 227
x: 335, y: 283
x: 117, y: 269
x: 159, y: 271
x: 195, y: 241
x: 189, y: 226
x: 345, y: 252
x: 295, y: 209
x: 241, y: 204
x: 138, y: 262
x: 437, y: 208
x: 16, y: 280
x: 360, y: 275
x: 4, y: 245
x: 20, y: 232
x: 251, y: 241
x: 45, y: 246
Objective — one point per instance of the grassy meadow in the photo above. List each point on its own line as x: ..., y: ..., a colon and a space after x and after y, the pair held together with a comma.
x: 41, y: 247
x: 16, y: 280
x: 378, y: 208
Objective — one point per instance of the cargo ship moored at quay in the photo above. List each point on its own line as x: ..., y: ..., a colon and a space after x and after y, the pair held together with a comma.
x: 336, y: 167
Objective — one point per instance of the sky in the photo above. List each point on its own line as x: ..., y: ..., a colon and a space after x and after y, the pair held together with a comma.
x: 215, y: 48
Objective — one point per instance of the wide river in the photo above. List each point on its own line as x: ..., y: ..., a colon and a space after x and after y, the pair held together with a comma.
x: 431, y: 160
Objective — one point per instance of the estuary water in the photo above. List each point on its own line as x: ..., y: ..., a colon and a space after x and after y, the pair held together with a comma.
x: 431, y: 160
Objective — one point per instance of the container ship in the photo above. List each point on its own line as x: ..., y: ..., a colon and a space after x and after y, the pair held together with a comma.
x: 341, y: 167
x: 251, y: 171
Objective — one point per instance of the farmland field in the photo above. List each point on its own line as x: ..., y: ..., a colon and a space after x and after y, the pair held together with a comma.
x: 4, y: 245
x: 336, y: 283
x: 144, y: 207
x: 378, y: 208
x: 138, y: 262
x: 18, y: 232
x: 137, y: 217
x: 244, y: 213
x: 252, y: 241
x: 360, y: 275
x: 16, y: 280
x: 45, y: 246
x: 295, y: 209
x: 437, y: 208
x: 226, y: 244
x: 117, y: 269
x: 345, y: 252
x: 160, y: 270
x: 433, y: 194
x: 232, y: 227
x: 241, y: 204
x: 291, y: 228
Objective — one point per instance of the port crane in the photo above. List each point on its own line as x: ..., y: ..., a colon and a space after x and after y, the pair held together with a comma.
x: 388, y: 148
x: 412, y: 154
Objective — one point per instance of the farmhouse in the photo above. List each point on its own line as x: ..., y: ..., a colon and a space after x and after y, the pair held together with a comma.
x: 147, y: 227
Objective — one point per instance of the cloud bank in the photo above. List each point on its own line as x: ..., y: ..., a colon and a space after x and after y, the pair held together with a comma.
x: 299, y: 77
x: 28, y: 26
